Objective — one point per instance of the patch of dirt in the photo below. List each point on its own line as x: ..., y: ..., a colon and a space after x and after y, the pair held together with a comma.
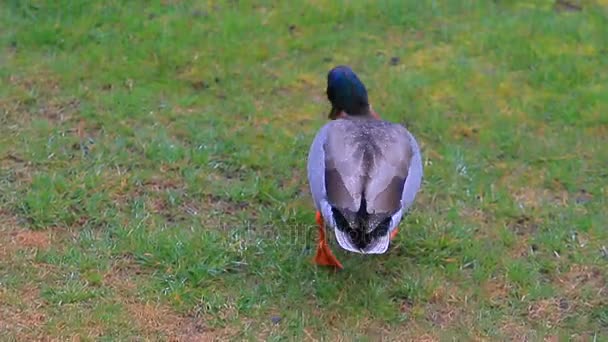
x: 583, y: 197
x: 425, y: 338
x: 375, y: 331
x: 533, y: 198
x: 15, y: 169
x: 410, y: 332
x: 55, y: 110
x: 228, y: 309
x: 42, y: 81
x: 598, y: 130
x: 438, y: 296
x: 47, y: 104
x: 523, y: 225
x: 465, y: 132
x: 444, y: 306
x: 550, y: 311
x: 475, y: 215
x: 567, y: 6
x: 122, y: 274
x: 158, y: 205
x: 23, y: 321
x: 155, y: 320
x: 159, y: 184
x: 122, y: 191
x: 14, y: 237
x: 521, y: 248
x: 441, y: 316
x: 580, y: 276
x: 496, y: 290
x: 224, y: 206
x: 8, y: 224
x: 31, y: 239
x: 515, y: 331
x: 406, y: 306
x: 21, y: 310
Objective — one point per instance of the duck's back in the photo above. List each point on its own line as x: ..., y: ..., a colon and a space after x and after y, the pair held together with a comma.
x: 366, y: 162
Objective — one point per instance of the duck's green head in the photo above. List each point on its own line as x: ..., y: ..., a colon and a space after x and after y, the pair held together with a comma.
x: 346, y: 92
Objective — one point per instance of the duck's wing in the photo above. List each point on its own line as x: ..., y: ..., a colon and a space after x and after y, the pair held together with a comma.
x: 414, y: 177
x: 347, y: 162
x: 335, y: 170
x: 316, y: 171
x: 397, y: 174
x: 392, y: 159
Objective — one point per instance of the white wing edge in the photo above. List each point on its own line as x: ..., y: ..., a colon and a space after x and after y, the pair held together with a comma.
x: 412, y: 183
x: 316, y: 174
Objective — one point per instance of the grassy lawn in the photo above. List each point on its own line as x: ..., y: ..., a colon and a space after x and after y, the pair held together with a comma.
x: 153, y: 182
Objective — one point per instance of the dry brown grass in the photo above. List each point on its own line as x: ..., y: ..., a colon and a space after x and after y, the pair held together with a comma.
x: 579, y: 278
x: 533, y: 197
x: 23, y: 315
x: 515, y: 331
x: 550, y: 312
x: 15, y: 237
x: 496, y: 290
x: 157, y: 320
x: 20, y: 313
x: 153, y: 320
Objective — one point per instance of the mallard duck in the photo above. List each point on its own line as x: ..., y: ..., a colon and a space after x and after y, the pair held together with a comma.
x: 364, y: 172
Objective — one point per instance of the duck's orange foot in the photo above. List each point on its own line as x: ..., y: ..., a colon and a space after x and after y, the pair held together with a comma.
x: 394, y: 233
x: 319, y: 220
x: 324, y: 256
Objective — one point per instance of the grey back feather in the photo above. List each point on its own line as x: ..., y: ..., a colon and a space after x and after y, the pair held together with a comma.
x: 367, y: 158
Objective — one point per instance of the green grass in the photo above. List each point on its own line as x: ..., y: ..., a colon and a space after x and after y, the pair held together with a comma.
x: 153, y: 180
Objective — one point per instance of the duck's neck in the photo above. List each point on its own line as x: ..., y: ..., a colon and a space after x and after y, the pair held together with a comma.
x: 367, y: 114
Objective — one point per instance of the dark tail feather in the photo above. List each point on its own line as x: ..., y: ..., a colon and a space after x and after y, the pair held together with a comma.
x: 357, y: 232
